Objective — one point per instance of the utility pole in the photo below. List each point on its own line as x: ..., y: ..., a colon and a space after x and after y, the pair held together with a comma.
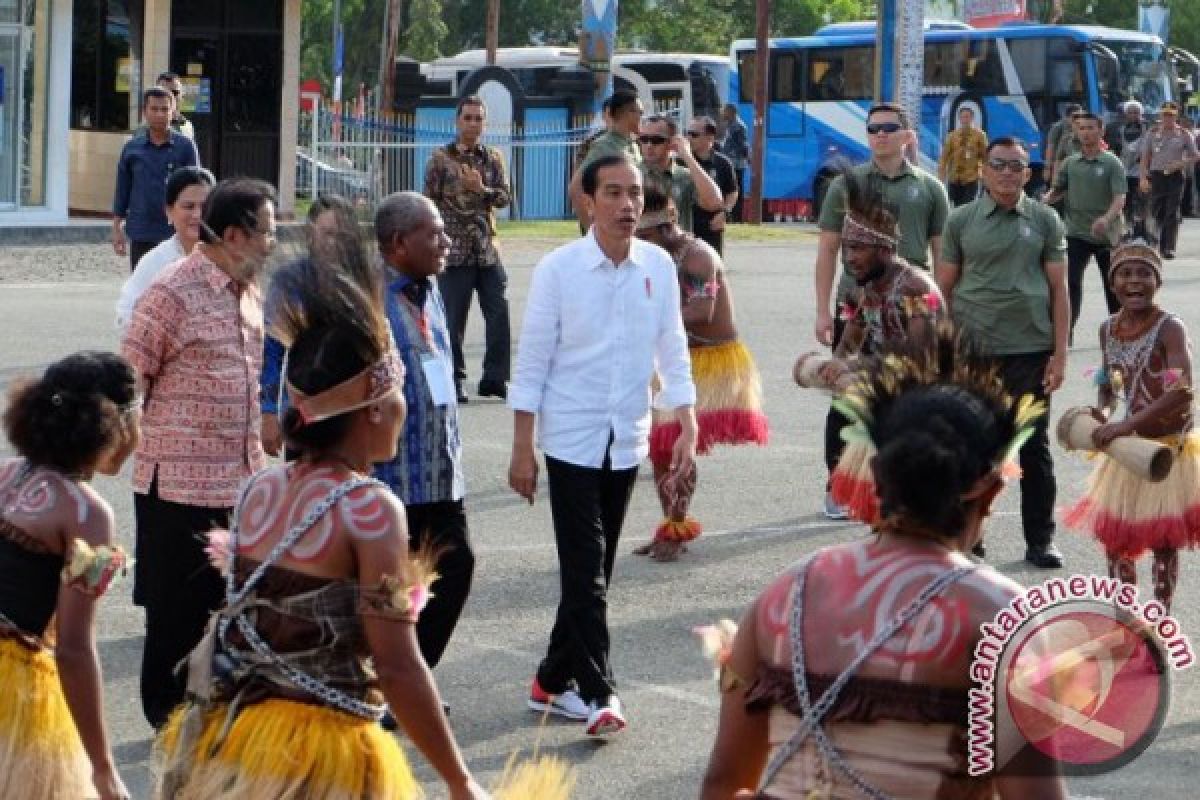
x: 762, y: 30
x: 493, y: 30
x: 339, y: 53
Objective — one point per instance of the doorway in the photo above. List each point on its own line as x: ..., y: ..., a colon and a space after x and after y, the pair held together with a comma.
x: 229, y: 55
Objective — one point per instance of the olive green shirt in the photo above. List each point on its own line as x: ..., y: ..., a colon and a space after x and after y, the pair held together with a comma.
x: 611, y: 143
x: 1091, y: 184
x: 675, y: 182
x: 918, y: 199
x: 1002, y: 296
x: 1062, y: 142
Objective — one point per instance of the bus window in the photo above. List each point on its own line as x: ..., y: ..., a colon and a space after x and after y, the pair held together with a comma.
x: 944, y: 63
x: 841, y: 73
x: 787, y: 80
x: 746, y: 76
x: 983, y: 71
x: 1029, y: 61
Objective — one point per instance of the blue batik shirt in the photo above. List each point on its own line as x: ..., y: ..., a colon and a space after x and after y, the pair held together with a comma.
x: 428, y: 465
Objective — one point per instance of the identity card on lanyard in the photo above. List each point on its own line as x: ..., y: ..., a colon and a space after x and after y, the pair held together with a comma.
x: 437, y: 376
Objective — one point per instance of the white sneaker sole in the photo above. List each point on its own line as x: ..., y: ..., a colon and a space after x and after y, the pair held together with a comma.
x: 559, y: 711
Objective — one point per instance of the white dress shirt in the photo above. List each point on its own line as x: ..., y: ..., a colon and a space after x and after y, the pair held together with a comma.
x: 593, y: 335
x: 153, y: 262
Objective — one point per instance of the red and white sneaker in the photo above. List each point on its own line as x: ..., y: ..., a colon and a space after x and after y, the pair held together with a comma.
x: 565, y: 704
x: 605, y: 719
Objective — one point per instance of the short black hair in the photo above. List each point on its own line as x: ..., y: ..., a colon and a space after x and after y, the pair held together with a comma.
x: 618, y: 101
x: 672, y: 125
x: 183, y: 177
x: 1088, y: 115
x: 1006, y: 141
x: 707, y: 122
x: 469, y: 100
x: 591, y: 173
x: 1072, y: 108
x: 894, y: 108
x: 234, y: 202
x: 654, y: 199
x: 330, y: 201
x: 166, y: 76
x: 156, y: 91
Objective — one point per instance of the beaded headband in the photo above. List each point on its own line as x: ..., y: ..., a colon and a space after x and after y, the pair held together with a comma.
x: 369, y: 386
x: 653, y: 219
x: 1136, y: 252
x: 856, y: 232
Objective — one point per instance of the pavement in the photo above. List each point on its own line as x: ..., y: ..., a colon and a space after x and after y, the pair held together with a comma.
x: 760, y: 508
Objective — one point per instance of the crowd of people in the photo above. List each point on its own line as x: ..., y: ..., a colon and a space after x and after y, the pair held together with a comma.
x: 299, y: 606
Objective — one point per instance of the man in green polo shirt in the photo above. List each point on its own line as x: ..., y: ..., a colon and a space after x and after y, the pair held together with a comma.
x: 669, y: 166
x: 1003, y: 272
x: 920, y: 204
x: 623, y: 116
x: 1093, y: 183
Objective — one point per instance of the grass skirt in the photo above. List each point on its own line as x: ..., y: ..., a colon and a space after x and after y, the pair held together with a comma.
x: 728, y: 403
x: 1129, y: 516
x: 41, y: 757
x: 285, y: 750
x: 853, y: 483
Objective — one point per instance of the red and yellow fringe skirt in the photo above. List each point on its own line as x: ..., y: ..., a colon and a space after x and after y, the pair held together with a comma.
x: 728, y: 403
x: 1129, y: 515
x: 41, y: 756
x: 853, y: 484
x: 287, y: 750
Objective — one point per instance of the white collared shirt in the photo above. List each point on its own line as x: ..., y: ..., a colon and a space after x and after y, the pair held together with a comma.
x: 593, y: 336
x: 148, y: 267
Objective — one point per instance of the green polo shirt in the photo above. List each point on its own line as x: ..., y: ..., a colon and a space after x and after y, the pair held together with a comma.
x: 676, y: 181
x: 1002, y: 296
x: 611, y: 143
x: 1091, y: 185
x: 918, y: 197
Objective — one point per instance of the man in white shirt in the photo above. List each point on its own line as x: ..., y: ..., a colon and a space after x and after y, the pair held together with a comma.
x: 602, y: 314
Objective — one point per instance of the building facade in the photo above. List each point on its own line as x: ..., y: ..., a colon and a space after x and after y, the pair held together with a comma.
x: 71, y: 77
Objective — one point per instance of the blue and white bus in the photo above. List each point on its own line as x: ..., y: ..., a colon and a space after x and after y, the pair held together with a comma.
x: 1018, y: 78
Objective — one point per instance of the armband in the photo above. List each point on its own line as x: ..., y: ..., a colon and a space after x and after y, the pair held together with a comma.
x: 399, y: 597
x: 92, y: 571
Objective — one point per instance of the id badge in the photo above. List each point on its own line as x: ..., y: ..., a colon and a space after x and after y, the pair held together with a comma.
x: 438, y: 379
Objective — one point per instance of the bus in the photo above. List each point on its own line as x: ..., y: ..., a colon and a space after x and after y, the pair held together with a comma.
x: 1017, y: 78
x: 686, y: 84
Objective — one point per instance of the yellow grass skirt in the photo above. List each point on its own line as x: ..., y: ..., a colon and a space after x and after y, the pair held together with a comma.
x: 41, y: 757
x: 285, y: 750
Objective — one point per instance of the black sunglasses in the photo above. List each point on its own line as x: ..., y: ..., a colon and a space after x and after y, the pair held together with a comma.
x: 883, y: 127
x: 652, y: 139
x: 1010, y: 164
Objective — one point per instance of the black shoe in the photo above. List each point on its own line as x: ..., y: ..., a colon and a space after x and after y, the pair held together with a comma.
x: 493, y: 389
x: 1045, y: 557
x: 461, y: 393
x: 1168, y: 254
x: 979, y: 550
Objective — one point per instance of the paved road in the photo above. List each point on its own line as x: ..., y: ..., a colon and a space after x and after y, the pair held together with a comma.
x: 760, y: 508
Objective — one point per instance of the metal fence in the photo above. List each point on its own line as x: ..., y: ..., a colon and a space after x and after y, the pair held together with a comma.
x: 368, y: 157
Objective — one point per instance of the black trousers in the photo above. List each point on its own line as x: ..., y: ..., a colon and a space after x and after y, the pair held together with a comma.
x: 1135, y: 207
x: 1022, y: 374
x: 835, y: 420
x: 1079, y: 253
x: 714, y: 239
x: 457, y: 284
x: 442, y: 526
x: 588, y: 506
x: 962, y: 193
x: 1166, y: 195
x: 179, y: 589
x: 137, y: 250
x: 736, y: 213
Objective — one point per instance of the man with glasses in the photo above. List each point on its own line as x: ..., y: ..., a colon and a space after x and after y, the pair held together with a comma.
x: 709, y: 226
x: 1092, y: 183
x: 467, y: 182
x: 687, y: 184
x: 1168, y: 151
x: 920, y: 204
x: 1003, y: 273
x: 623, y: 118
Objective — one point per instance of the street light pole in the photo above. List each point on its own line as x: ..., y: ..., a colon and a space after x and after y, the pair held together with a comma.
x: 493, y: 30
x: 339, y: 52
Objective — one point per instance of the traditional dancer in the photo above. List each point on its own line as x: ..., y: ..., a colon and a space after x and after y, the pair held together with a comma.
x: 728, y: 388
x: 1147, y: 368
x: 850, y: 676
x: 56, y: 559
x: 892, y: 302
x: 287, y: 687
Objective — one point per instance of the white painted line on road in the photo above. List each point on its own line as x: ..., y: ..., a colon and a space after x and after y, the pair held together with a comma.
x: 673, y: 692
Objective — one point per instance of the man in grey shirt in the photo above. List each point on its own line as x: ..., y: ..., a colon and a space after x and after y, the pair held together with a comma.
x: 1167, y: 151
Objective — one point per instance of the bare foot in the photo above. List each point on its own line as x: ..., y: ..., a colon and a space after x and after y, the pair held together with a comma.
x: 666, y: 550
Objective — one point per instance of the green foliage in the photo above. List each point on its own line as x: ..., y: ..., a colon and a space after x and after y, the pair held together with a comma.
x: 362, y: 21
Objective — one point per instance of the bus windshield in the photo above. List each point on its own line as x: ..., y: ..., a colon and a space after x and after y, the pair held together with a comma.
x: 1145, y: 73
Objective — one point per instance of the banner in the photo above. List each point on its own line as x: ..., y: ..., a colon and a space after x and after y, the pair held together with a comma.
x: 597, y: 41
x: 1154, y: 17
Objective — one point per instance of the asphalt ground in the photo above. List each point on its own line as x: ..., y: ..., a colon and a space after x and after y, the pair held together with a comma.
x: 760, y: 508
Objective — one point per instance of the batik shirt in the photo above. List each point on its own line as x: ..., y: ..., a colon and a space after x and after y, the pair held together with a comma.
x: 469, y: 216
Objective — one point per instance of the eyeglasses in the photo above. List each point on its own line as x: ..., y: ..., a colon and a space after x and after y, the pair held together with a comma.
x: 695, y: 134
x: 1010, y: 164
x: 472, y: 118
x: 883, y: 127
x: 653, y: 138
